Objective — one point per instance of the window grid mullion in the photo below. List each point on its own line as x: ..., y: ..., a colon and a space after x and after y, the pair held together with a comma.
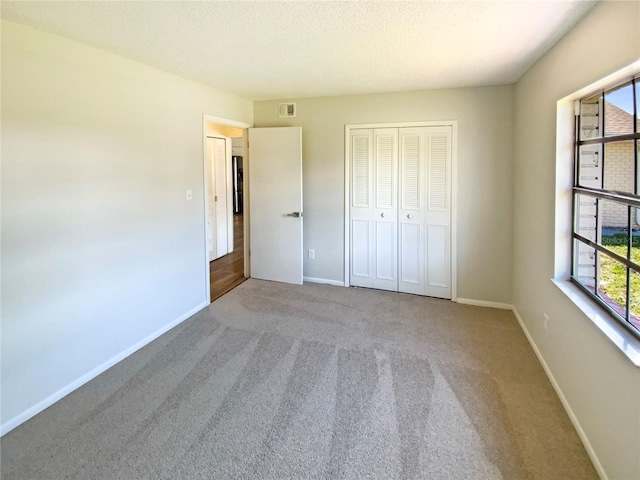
x: 596, y: 271
x: 603, y: 162
x: 596, y: 246
x: 613, y: 138
x: 601, y: 120
x: 628, y: 270
x: 635, y: 191
x: 619, y: 197
x: 634, y: 87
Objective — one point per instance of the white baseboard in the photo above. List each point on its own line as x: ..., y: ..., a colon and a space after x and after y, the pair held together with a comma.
x: 483, y: 303
x: 326, y: 281
x: 565, y: 403
x: 63, y: 392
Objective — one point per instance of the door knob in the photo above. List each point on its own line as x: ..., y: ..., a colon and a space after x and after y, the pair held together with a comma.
x: 410, y: 216
x: 383, y: 215
x: 294, y: 214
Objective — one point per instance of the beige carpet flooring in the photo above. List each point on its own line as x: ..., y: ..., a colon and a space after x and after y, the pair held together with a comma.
x: 314, y: 382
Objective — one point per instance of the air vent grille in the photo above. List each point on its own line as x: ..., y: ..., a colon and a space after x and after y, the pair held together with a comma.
x: 287, y: 110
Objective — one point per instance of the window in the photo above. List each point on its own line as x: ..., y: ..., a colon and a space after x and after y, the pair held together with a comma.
x: 606, y: 201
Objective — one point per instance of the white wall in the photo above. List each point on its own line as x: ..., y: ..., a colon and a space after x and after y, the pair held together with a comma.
x: 485, y: 148
x: 100, y: 249
x: 599, y: 383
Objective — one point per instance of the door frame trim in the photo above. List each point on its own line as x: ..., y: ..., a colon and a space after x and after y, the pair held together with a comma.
x: 454, y: 192
x: 229, y: 123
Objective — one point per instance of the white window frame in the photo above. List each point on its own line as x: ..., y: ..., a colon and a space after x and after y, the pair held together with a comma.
x: 565, y: 125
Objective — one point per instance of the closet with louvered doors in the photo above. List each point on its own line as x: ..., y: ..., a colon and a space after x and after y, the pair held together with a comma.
x: 400, y: 209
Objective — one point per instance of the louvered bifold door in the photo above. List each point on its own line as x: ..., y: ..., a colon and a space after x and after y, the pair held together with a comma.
x: 401, y: 209
x: 438, y: 212
x: 385, y: 212
x: 361, y: 208
x: 411, y: 215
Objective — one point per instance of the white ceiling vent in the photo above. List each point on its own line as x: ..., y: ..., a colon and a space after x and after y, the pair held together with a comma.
x: 287, y: 110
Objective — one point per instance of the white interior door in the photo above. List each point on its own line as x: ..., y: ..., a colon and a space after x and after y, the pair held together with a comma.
x: 220, y: 200
x: 385, y: 212
x: 412, y: 210
x: 437, y: 215
x: 361, y: 208
x: 374, y: 209
x: 401, y: 209
x: 211, y: 194
x: 275, y: 187
x: 219, y: 221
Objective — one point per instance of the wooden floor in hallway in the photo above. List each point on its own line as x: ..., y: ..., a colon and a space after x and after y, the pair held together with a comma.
x: 227, y: 272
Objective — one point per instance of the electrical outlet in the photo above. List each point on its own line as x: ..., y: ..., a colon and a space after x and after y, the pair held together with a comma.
x: 312, y: 254
x: 546, y: 322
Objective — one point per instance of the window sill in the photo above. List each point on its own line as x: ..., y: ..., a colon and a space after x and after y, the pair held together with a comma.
x: 622, y: 339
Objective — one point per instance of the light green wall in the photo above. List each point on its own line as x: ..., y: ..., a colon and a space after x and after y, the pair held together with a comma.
x: 485, y: 149
x: 600, y: 384
x: 100, y: 249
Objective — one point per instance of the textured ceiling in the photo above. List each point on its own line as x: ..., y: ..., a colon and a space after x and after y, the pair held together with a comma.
x: 266, y: 50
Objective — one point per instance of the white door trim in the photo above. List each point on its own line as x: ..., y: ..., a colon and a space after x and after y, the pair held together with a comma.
x: 230, y: 123
x: 454, y: 191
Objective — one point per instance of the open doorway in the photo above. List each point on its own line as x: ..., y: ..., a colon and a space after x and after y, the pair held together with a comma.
x: 225, y: 193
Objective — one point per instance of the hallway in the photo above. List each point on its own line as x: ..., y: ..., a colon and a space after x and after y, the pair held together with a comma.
x: 227, y: 272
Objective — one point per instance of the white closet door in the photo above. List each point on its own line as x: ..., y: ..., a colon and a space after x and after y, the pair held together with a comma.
x: 438, y: 213
x: 361, y: 209
x: 401, y: 210
x: 211, y: 210
x: 374, y: 211
x: 220, y: 198
x: 385, y: 212
x: 411, y: 215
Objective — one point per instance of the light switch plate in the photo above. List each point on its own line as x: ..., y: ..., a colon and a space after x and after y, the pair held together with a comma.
x: 189, y: 194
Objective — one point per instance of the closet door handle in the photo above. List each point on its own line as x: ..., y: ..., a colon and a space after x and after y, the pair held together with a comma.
x: 383, y: 215
x: 409, y: 216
